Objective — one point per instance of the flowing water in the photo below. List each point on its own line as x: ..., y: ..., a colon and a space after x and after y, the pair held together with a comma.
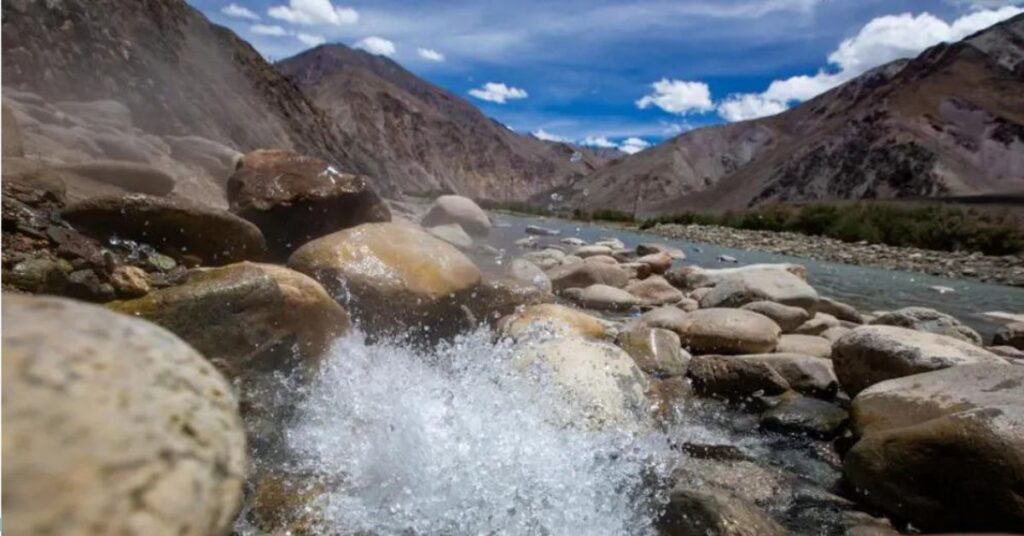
x: 459, y: 440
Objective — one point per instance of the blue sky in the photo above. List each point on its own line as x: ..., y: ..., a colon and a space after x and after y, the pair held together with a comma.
x: 625, y: 74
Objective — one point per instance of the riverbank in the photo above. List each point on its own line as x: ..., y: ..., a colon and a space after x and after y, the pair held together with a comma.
x: 1006, y: 269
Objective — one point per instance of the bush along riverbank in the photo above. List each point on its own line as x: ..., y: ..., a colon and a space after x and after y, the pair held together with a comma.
x: 325, y: 369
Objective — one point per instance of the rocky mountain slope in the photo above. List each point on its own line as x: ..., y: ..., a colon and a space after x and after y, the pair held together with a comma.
x: 419, y: 138
x: 947, y: 123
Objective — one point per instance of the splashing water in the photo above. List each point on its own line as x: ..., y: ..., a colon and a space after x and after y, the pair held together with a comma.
x: 458, y: 440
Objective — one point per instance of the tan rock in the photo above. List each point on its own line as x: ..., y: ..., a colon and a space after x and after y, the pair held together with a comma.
x: 805, y: 344
x: 728, y: 331
x: 553, y: 317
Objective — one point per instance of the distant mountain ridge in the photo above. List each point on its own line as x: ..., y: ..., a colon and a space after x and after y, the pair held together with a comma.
x: 947, y: 123
x: 419, y: 138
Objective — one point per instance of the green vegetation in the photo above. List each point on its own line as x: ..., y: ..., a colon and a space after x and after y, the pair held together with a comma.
x: 937, y: 227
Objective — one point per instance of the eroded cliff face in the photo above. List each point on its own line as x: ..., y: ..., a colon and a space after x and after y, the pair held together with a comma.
x: 949, y: 122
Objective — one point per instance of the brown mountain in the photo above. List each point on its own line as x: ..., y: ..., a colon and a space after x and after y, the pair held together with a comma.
x: 418, y: 138
x: 177, y: 72
x: 947, y: 123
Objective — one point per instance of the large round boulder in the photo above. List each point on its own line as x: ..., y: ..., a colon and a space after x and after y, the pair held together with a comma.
x: 787, y: 317
x: 930, y: 320
x: 600, y: 377
x: 727, y: 331
x: 527, y: 272
x: 459, y: 210
x: 584, y: 274
x: 746, y: 286
x: 805, y: 344
x: 554, y: 318
x: 735, y: 379
x: 655, y: 290
x: 294, y: 198
x: 656, y: 351
x: 944, y: 449
x: 497, y: 297
x: 246, y: 317
x: 392, y: 276
x: 806, y: 374
x: 871, y: 354
x: 175, y: 227
x: 113, y: 425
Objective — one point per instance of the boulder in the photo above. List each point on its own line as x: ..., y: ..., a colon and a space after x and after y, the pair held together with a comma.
x: 610, y: 242
x: 600, y: 377
x: 545, y: 259
x: 871, y: 354
x: 555, y: 318
x: 585, y: 274
x: 834, y: 333
x: 659, y: 262
x: 637, y: 270
x: 818, y: 324
x: 805, y: 344
x: 246, y: 317
x: 129, y: 176
x: 805, y: 374
x: 604, y: 259
x: 294, y: 198
x: 687, y: 304
x: 944, y: 449
x: 10, y: 132
x: 113, y: 425
x: 498, y: 297
x: 654, y: 291
x: 801, y: 415
x: 743, y: 287
x: 695, y: 511
x: 453, y: 234
x: 392, y: 276
x: 839, y: 310
x: 666, y: 317
x: 735, y: 379
x: 527, y: 272
x: 602, y: 298
x: 175, y: 227
x: 691, y: 277
x: 930, y: 320
x: 459, y: 210
x: 787, y: 317
x: 1011, y: 335
x: 656, y: 351
x: 649, y: 248
x: 728, y: 331
x: 590, y: 251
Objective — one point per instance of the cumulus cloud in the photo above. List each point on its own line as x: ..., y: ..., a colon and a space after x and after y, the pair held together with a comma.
x: 314, y: 12
x: 239, y: 12
x: 430, y: 54
x: 263, y: 29
x: 497, y: 92
x: 633, y: 145
x: 678, y: 97
x: 542, y: 134
x: 881, y: 40
x: 598, y: 141
x: 377, y: 45
x: 310, y: 39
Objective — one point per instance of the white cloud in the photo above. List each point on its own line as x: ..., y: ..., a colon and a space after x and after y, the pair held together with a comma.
x: 263, y: 29
x: 239, y: 12
x: 633, y: 145
x: 499, y: 93
x: 310, y: 39
x: 678, y: 97
x: 430, y: 54
x: 881, y: 40
x: 598, y: 141
x: 377, y: 45
x: 314, y: 12
x: 745, y: 106
x: 542, y: 134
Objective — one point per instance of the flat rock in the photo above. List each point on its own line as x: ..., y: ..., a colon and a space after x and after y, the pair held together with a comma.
x: 654, y: 291
x: 805, y: 374
x: 839, y: 310
x: 585, y: 274
x: 787, y: 317
x: 707, y: 512
x: 743, y: 287
x: 930, y: 320
x: 732, y: 378
x: 871, y: 354
x: 175, y: 227
x: 114, y: 426
x: 602, y: 298
x: 727, y: 331
x: 805, y: 344
x: 590, y: 251
x: 294, y: 198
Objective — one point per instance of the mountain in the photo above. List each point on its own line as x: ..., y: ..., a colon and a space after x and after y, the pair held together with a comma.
x: 417, y: 138
x: 177, y: 72
x: 947, y: 123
